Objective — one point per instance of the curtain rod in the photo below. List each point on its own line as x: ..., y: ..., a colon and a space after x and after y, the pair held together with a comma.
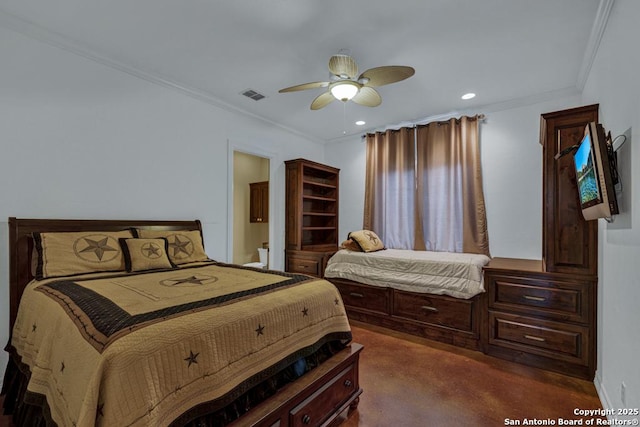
x: 479, y: 117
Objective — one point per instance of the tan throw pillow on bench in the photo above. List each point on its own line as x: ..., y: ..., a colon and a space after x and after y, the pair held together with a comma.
x: 367, y: 240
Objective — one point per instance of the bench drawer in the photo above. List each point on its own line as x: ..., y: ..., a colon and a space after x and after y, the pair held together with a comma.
x: 434, y: 309
x: 364, y: 297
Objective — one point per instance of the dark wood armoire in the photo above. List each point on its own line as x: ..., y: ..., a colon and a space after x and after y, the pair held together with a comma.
x: 543, y: 312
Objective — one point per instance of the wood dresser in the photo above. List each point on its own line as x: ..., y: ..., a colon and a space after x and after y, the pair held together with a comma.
x: 540, y: 318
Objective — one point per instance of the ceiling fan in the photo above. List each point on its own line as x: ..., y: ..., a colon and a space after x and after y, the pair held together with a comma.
x: 344, y: 85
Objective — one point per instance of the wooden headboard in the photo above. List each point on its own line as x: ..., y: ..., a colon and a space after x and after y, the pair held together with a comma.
x: 21, y: 244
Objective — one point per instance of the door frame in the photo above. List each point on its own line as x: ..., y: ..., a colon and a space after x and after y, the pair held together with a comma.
x: 232, y: 147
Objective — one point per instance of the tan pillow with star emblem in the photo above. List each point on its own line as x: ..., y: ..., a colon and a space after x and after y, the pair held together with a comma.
x: 184, y: 246
x: 67, y: 254
x: 367, y: 240
x: 145, y: 254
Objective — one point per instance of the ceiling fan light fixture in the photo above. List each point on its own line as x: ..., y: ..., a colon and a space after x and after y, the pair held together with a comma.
x: 344, y: 91
x: 345, y: 84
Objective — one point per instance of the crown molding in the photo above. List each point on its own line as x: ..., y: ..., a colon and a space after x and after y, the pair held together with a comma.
x: 37, y: 32
x: 52, y: 38
x: 597, y: 31
x: 480, y: 109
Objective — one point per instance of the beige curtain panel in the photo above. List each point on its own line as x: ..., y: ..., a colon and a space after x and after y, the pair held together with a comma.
x: 390, y: 187
x: 423, y: 187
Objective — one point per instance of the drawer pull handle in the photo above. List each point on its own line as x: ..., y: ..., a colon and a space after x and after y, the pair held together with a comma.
x: 534, y: 338
x: 429, y: 308
x: 356, y: 295
x: 306, y: 419
x: 532, y: 298
x: 347, y: 383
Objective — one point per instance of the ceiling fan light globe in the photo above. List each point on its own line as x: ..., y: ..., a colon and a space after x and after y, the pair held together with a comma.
x: 344, y: 91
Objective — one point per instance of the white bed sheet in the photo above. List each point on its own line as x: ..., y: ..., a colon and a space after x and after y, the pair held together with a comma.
x: 442, y: 273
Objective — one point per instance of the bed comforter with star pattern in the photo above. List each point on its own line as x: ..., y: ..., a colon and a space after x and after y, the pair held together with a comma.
x: 143, y: 349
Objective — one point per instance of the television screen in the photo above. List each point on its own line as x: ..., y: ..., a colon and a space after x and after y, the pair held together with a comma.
x: 594, y: 161
x: 586, y: 173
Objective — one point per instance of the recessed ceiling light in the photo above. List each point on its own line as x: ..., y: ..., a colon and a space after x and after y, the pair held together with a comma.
x: 468, y: 95
x: 361, y: 123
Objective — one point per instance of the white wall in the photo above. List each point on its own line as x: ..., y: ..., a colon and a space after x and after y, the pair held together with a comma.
x: 349, y: 157
x: 83, y: 140
x: 613, y: 82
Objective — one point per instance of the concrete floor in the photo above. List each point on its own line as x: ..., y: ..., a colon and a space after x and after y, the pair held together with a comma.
x: 409, y: 381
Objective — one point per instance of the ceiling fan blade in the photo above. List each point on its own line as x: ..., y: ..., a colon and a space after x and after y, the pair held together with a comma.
x: 322, y: 100
x: 380, y: 76
x: 343, y: 66
x: 304, y: 86
x: 367, y: 96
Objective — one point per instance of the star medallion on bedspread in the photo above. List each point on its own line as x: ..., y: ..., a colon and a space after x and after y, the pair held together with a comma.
x: 191, y: 280
x: 260, y: 330
x: 100, y: 411
x: 192, y: 358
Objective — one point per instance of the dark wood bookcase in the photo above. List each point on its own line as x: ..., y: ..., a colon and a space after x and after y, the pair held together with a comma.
x: 311, y: 229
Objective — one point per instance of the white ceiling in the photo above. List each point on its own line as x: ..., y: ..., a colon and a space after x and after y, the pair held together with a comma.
x: 506, y: 51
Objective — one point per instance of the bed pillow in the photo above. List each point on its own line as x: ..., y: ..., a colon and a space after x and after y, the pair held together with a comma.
x: 146, y: 254
x: 367, y: 240
x: 184, y: 246
x: 69, y: 253
x: 351, y: 245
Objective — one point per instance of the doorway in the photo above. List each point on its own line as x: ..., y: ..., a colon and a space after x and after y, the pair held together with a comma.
x: 249, y: 232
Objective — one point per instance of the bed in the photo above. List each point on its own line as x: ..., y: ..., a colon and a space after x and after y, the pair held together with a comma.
x: 168, y: 340
x: 437, y: 295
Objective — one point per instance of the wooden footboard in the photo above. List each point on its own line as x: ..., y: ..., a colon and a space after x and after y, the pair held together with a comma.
x: 320, y: 397
x: 438, y: 317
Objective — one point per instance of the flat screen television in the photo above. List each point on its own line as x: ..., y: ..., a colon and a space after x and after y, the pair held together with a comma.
x: 595, y: 172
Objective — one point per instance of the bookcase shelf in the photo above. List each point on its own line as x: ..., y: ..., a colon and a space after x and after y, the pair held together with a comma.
x: 311, y: 233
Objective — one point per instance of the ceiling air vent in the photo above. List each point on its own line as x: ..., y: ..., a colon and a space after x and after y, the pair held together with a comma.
x: 250, y: 93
